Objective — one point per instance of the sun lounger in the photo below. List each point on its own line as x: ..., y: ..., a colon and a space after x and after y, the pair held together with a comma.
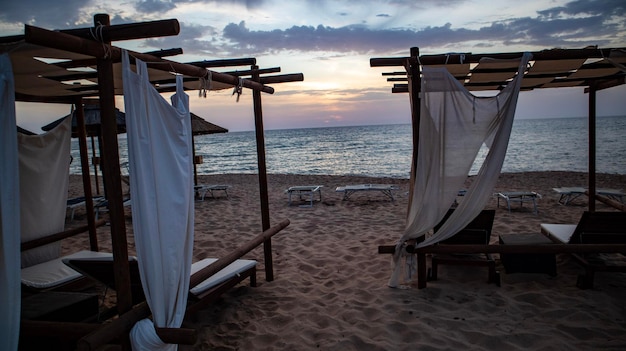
x: 348, y: 190
x: 203, y: 189
x: 305, y: 190
x: 51, y: 274
x: 200, y: 296
x: 103, y: 206
x: 569, y: 194
x: 477, y: 232
x: 76, y: 202
x: 519, y: 196
x: 593, y: 228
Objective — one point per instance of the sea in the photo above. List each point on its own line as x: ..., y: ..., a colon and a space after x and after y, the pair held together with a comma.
x: 553, y: 144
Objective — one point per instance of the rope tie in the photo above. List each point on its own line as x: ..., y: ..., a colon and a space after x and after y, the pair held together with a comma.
x: 205, y: 84
x: 97, y: 34
x: 238, y: 88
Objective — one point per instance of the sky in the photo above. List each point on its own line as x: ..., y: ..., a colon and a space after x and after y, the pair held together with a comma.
x: 331, y: 43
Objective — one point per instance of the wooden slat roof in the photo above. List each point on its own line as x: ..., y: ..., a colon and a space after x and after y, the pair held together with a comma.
x: 547, y: 69
x: 56, y: 74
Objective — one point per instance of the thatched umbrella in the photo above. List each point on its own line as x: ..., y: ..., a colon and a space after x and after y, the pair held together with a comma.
x: 200, y: 127
x: 92, y: 127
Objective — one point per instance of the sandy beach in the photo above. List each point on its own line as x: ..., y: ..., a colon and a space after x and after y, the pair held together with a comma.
x: 330, y: 289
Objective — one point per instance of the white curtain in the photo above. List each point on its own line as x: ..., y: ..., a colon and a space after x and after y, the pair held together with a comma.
x: 44, y: 179
x: 161, y: 179
x: 9, y: 213
x: 454, y: 124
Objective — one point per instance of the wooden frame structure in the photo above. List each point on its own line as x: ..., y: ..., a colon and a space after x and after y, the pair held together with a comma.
x: 592, y: 68
x: 91, y: 50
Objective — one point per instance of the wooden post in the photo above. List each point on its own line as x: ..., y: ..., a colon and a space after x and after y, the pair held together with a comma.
x: 95, y: 166
x: 592, y: 147
x: 413, y: 72
x: 112, y: 177
x: 84, y: 164
x: 260, y: 150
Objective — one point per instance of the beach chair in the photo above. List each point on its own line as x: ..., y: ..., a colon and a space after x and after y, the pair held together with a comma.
x: 308, y: 191
x: 569, y: 194
x: 200, y: 296
x: 349, y: 190
x: 203, y: 189
x: 103, y: 206
x: 518, y: 196
x: 76, y: 202
x: 593, y: 228
x: 53, y: 274
x: 477, y: 232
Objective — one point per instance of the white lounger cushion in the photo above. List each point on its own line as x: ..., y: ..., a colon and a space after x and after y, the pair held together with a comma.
x: 562, y: 232
x: 52, y: 273
x: 230, y: 271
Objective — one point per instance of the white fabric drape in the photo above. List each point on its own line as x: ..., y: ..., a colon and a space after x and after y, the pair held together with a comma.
x: 161, y: 184
x: 44, y: 179
x: 9, y: 213
x: 454, y: 124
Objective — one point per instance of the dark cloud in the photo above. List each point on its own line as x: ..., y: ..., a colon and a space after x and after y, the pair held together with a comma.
x: 570, y: 25
x: 567, y: 26
x: 190, y: 39
x: 154, y: 6
x: 43, y: 13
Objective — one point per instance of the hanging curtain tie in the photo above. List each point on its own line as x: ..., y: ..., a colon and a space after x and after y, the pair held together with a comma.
x: 238, y: 88
x: 205, y: 84
x: 97, y: 34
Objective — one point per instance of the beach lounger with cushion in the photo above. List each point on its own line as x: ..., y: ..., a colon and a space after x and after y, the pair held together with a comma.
x: 477, y: 232
x: 200, y: 296
x: 348, y: 190
x: 569, y: 194
x: 305, y: 190
x: 203, y: 189
x: 51, y: 274
x: 76, y: 202
x: 519, y: 196
x: 593, y: 228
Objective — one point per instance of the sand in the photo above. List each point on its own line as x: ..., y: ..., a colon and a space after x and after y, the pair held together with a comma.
x: 330, y: 285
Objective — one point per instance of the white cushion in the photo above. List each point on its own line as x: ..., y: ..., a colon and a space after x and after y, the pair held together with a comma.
x: 561, y: 232
x: 233, y: 269
x: 52, y: 273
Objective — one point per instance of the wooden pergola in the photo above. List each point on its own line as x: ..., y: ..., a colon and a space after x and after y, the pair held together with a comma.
x: 68, y: 66
x: 591, y: 68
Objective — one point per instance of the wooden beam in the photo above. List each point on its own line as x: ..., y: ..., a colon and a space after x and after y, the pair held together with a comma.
x: 66, y: 331
x: 31, y: 244
x: 223, y: 262
x: 509, y: 249
x: 282, y: 78
x: 224, y: 62
x: 250, y: 72
x: 70, y: 43
x: 127, y: 31
x: 92, y: 62
x: 441, y: 59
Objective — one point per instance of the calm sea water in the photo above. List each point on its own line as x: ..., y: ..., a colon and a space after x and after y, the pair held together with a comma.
x: 385, y: 150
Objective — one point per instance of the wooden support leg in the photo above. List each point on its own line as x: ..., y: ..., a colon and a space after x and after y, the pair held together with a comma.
x: 421, y: 271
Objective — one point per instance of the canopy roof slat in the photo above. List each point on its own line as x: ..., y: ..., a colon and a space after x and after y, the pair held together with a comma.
x: 548, y: 68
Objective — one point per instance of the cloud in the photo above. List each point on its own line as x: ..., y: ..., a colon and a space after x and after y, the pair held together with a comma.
x: 570, y: 26
x: 154, y: 6
x: 43, y: 13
